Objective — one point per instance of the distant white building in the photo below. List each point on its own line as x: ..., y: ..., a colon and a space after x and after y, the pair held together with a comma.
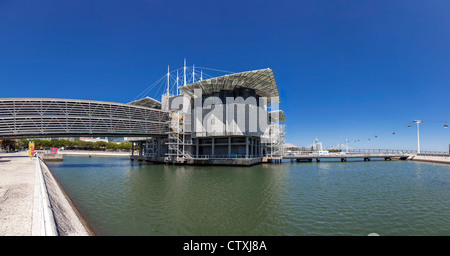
x: 318, y: 145
x: 94, y: 139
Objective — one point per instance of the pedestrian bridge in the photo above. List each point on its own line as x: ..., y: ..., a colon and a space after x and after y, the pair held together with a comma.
x: 367, y: 155
x: 48, y: 117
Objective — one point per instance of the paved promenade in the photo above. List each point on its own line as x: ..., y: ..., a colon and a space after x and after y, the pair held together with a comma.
x: 432, y: 159
x: 17, y: 180
x: 20, y: 214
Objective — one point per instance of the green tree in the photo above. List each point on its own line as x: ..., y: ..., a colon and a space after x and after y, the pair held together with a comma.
x: 46, y: 144
x: 23, y: 143
x: 56, y: 143
x: 124, y: 146
x: 98, y: 145
x: 68, y: 144
x: 12, y: 144
x: 112, y: 146
x: 86, y: 145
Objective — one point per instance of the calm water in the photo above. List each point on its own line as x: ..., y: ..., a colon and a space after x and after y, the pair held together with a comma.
x: 120, y: 197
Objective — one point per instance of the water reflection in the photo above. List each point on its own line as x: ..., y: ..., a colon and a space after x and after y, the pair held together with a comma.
x: 327, y: 198
x: 206, y: 200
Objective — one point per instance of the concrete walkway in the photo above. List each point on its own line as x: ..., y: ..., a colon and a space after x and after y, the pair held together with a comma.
x: 17, y: 180
x: 20, y: 214
x: 432, y: 159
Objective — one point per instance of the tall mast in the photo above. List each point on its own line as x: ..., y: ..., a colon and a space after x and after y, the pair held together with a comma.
x: 184, y: 71
x: 177, y: 81
x: 193, y: 73
x: 168, y: 77
x: 201, y: 75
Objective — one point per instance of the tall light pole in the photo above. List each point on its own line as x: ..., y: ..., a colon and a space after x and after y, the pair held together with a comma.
x: 418, y: 142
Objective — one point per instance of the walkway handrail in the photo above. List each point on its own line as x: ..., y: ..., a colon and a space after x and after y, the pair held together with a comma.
x: 434, y: 154
x: 47, y: 219
x: 391, y: 151
x: 226, y: 156
x: 403, y: 151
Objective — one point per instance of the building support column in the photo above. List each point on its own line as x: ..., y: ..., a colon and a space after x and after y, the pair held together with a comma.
x: 158, y: 147
x: 212, y: 146
x: 246, y: 147
x: 146, y: 148
x: 132, y: 148
x: 259, y: 147
x: 229, y: 147
x: 196, y: 147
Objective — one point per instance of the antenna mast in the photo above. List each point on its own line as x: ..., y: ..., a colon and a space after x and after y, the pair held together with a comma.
x: 184, y: 71
x: 177, y: 81
x: 168, y: 79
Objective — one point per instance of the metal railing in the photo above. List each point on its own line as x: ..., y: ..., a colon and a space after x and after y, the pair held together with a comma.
x: 393, y: 151
x: 367, y: 152
x: 225, y: 156
x: 434, y: 154
x: 299, y: 153
x: 380, y: 151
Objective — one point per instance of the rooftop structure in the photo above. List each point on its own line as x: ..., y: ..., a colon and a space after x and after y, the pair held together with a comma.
x: 147, y: 102
x: 262, y: 81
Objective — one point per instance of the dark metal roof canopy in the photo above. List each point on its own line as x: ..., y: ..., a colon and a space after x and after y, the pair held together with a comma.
x: 262, y: 81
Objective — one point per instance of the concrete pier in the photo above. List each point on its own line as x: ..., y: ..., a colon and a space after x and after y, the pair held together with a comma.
x: 51, y: 157
x: 23, y: 207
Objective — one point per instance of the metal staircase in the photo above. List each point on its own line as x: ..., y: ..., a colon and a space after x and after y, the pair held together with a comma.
x: 177, y: 137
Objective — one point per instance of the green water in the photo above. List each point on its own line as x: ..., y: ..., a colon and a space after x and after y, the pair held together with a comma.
x: 121, y: 197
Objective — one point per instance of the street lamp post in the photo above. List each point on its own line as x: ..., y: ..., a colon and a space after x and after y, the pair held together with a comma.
x: 418, y: 142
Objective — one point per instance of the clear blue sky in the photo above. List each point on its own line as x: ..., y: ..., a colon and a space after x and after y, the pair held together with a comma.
x: 345, y: 69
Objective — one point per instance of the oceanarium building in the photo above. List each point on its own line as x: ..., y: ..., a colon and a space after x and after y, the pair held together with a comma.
x: 227, y: 120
